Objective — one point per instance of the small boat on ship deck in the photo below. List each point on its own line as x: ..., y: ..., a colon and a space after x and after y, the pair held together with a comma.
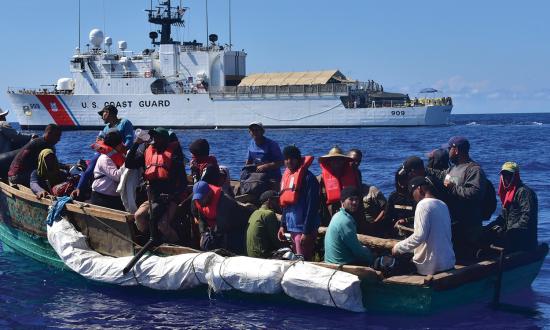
x: 110, y: 233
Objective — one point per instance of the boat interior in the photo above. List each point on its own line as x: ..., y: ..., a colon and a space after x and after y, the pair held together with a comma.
x: 111, y: 232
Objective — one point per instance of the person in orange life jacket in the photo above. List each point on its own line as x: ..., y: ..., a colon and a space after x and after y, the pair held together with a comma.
x: 107, y: 172
x: 336, y: 173
x: 109, y: 115
x: 299, y: 199
x: 221, y: 220
x: 165, y: 173
x: 201, y: 158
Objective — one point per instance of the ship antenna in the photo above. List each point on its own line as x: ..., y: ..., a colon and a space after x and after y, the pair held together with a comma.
x: 206, y: 22
x: 230, y: 44
x: 78, y: 24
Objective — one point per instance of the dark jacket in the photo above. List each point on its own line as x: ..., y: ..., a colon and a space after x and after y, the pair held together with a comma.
x: 518, y: 223
x: 464, y: 200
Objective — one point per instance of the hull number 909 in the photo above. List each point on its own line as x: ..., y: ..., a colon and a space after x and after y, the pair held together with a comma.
x: 398, y: 113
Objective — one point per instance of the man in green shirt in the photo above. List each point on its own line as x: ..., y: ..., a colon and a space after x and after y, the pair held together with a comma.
x: 341, y: 244
x: 261, y: 235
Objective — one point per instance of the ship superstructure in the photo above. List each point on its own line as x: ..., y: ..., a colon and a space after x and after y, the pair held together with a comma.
x: 191, y: 84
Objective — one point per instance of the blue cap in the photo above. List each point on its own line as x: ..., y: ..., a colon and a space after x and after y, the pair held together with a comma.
x: 460, y: 142
x: 200, y: 189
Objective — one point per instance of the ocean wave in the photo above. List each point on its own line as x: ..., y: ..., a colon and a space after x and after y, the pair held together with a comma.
x: 536, y: 166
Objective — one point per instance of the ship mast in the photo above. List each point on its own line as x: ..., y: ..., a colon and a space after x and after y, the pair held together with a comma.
x: 165, y: 15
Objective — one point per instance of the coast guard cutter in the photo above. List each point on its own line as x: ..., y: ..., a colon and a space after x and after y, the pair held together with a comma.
x: 190, y: 84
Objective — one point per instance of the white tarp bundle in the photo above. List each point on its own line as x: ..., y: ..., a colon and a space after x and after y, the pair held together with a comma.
x: 319, y: 285
x: 251, y: 275
x: 164, y: 273
x: 300, y: 280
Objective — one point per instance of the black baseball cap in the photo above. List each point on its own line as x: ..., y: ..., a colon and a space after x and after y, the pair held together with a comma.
x: 110, y: 108
x: 416, y: 182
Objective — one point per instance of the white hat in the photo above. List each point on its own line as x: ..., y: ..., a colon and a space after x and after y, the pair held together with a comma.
x: 256, y: 123
x: 4, y: 113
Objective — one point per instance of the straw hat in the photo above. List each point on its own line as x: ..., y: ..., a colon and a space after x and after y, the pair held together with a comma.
x: 335, y: 152
x: 3, y: 113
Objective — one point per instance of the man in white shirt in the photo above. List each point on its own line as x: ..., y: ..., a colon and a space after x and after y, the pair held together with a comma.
x: 431, y: 240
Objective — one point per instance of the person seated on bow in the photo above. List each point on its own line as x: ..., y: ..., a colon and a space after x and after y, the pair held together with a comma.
x: 107, y: 171
x: 49, y: 178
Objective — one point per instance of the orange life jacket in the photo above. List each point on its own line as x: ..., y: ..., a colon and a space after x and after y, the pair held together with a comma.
x: 116, y: 157
x: 334, y: 185
x: 291, y: 183
x: 158, y: 164
x: 210, y: 211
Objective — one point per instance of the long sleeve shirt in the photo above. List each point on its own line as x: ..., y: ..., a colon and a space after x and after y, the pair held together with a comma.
x: 431, y: 240
x: 303, y: 217
x: 261, y: 235
x: 107, y: 176
x: 341, y: 243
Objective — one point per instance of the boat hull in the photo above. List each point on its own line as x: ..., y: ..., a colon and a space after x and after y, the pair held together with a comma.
x: 202, y: 111
x: 23, y: 228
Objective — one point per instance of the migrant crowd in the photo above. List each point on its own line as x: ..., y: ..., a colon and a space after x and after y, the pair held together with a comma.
x: 436, y: 210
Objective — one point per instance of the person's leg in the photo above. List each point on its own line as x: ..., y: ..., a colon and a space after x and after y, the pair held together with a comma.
x: 165, y: 224
x: 141, y: 218
x: 304, y: 249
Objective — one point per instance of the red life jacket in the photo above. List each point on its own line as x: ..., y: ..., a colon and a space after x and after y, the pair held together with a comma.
x: 210, y: 211
x: 117, y: 157
x: 291, y: 183
x: 334, y: 185
x: 158, y: 164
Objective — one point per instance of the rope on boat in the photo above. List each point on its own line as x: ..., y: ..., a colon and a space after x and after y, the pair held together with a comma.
x: 223, y: 278
x: 340, y: 267
x: 111, y: 229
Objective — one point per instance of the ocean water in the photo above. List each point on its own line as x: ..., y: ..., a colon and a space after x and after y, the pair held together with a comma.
x: 33, y: 295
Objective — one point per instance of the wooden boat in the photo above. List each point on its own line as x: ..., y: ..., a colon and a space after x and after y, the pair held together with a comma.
x: 109, y: 232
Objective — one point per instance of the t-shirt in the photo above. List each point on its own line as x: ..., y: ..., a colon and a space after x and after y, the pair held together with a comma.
x: 267, y: 152
x: 27, y: 159
x: 261, y: 235
x: 431, y: 240
x: 126, y: 130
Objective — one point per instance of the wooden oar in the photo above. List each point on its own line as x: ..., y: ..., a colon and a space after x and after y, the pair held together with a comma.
x: 152, y: 235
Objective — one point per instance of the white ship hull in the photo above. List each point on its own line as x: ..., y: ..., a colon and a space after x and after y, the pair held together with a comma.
x: 202, y: 111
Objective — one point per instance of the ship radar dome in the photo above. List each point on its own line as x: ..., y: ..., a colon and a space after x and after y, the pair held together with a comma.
x: 96, y: 38
x: 108, y: 41
x: 122, y: 45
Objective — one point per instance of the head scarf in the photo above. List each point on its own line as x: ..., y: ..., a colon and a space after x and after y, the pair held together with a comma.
x: 50, y: 174
x: 507, y: 192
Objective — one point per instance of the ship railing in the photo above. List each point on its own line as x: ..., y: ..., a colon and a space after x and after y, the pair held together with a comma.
x: 335, y: 89
x: 36, y: 91
x: 127, y: 74
x: 440, y: 101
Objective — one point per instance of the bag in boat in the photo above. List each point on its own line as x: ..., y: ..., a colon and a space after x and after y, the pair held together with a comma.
x: 251, y: 275
x: 319, y: 285
x: 163, y: 273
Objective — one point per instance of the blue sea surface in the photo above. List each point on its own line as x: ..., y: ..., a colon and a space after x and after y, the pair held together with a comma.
x: 33, y: 295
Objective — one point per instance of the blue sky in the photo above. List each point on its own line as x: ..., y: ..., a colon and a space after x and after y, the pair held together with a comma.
x: 491, y: 56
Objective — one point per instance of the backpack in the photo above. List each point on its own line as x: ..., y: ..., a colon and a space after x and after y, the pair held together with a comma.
x: 489, y: 199
x: 253, y: 183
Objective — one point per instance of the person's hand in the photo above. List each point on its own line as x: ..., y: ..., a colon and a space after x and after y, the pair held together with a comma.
x: 448, y: 184
x: 139, y: 141
x: 281, y: 234
x: 400, y: 222
x: 394, y: 250
x: 42, y: 194
x: 261, y: 168
x: 75, y: 194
